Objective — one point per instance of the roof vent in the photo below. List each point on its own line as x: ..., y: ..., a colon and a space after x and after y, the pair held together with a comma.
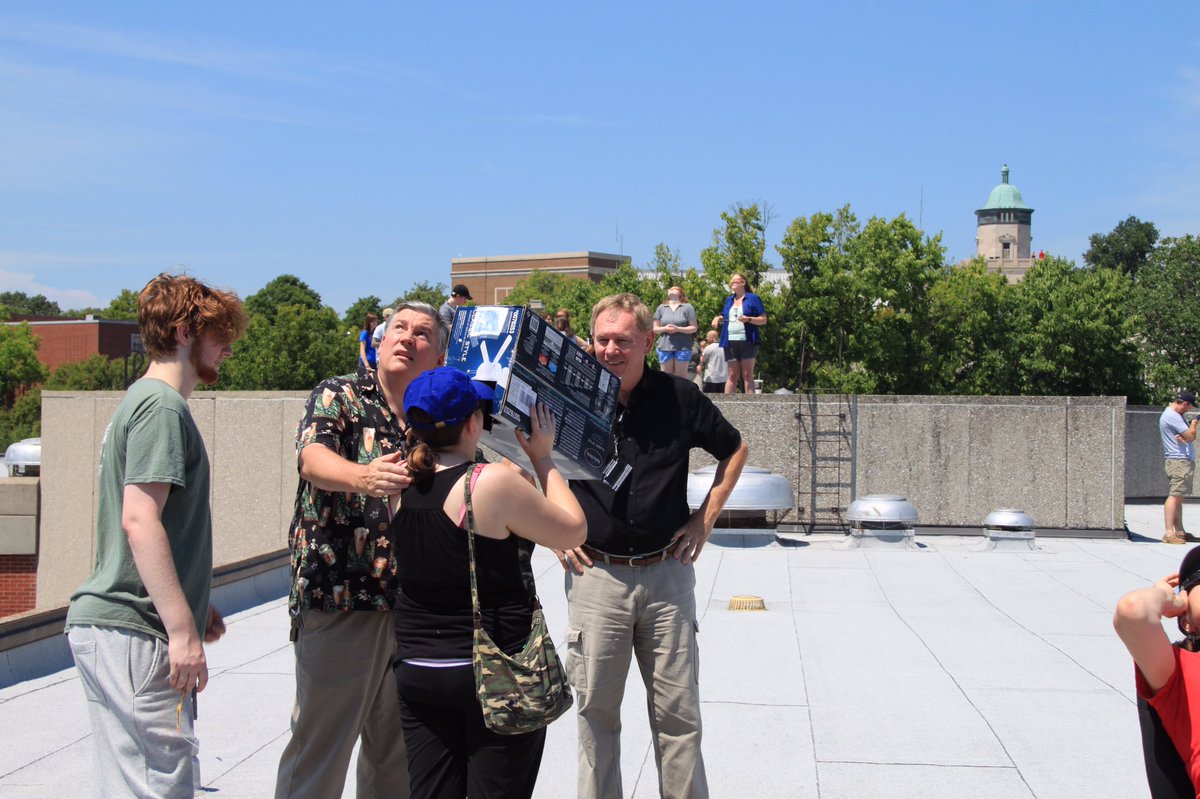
x: 1008, y: 530
x: 757, y: 492
x: 881, y: 521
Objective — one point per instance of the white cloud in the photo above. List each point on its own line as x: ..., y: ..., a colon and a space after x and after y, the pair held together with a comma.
x: 67, y: 298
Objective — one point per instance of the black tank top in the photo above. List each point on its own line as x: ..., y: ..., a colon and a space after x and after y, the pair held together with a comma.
x: 433, y: 606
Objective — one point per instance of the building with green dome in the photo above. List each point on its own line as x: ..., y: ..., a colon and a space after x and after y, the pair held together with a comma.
x: 1002, y: 235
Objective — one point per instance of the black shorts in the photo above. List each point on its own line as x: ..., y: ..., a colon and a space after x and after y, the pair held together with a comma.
x: 714, y: 388
x: 740, y: 351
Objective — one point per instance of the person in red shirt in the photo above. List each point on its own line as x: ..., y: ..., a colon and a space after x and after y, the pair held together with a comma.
x: 1168, y: 676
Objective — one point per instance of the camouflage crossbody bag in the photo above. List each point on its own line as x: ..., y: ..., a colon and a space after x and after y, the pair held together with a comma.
x: 523, y: 692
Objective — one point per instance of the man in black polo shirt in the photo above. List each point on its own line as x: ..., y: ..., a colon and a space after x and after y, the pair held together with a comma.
x: 631, y: 587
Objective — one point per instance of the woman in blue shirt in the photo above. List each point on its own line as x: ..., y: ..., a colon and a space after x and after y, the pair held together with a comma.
x: 366, y: 344
x: 739, y: 321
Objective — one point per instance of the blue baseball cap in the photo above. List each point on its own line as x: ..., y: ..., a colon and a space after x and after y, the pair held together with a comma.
x: 447, y: 395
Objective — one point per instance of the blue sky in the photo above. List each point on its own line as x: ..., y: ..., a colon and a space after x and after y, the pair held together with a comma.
x: 362, y: 146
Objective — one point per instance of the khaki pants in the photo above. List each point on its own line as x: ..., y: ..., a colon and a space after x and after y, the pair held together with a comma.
x: 649, y: 612
x: 344, y: 689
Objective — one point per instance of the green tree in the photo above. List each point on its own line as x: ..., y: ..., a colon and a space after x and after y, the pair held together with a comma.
x: 123, y: 306
x: 855, y: 314
x: 1074, y: 332
x: 429, y: 293
x: 356, y: 314
x: 554, y: 291
x: 18, y: 302
x: 1167, y: 299
x: 285, y: 290
x: 739, y: 246
x: 97, y: 373
x: 19, y: 366
x: 297, y: 349
x: 817, y: 342
x: 899, y: 265
x: 22, y: 420
x: 81, y: 313
x: 972, y: 331
x: 1127, y: 247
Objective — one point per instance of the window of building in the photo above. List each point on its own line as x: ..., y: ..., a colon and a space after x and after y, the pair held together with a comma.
x: 1005, y: 250
x: 502, y: 294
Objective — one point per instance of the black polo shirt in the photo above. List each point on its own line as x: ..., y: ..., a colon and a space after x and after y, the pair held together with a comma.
x: 666, y: 417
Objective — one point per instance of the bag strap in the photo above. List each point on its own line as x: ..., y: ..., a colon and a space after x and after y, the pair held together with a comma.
x: 469, y: 513
x: 523, y: 560
x: 474, y: 479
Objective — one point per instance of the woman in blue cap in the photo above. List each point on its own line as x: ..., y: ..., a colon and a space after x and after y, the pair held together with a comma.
x: 451, y: 753
x: 1167, y: 675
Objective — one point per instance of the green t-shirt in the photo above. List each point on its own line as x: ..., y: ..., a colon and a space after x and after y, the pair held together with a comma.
x: 151, y: 439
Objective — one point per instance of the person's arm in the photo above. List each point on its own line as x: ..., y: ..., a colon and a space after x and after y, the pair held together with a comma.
x: 329, y: 471
x: 1189, y: 435
x: 141, y: 518
x: 659, y: 328
x: 215, y: 627
x: 760, y: 319
x: 691, y: 327
x: 690, y: 538
x: 508, y: 502
x: 1138, y: 622
x: 719, y: 319
x: 320, y: 442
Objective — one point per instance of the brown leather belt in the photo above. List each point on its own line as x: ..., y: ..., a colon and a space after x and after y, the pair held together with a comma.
x: 621, y: 560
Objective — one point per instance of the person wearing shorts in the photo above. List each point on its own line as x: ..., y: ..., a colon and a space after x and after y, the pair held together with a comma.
x: 1179, y: 456
x: 739, y: 322
x: 675, y: 325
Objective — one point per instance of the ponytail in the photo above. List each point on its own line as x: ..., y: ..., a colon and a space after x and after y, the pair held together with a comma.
x: 424, y: 445
x: 422, y: 462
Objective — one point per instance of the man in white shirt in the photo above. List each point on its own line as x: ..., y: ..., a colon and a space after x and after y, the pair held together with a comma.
x: 1179, y: 455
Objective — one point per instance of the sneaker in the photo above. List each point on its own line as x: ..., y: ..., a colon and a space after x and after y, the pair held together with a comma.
x: 1174, y: 538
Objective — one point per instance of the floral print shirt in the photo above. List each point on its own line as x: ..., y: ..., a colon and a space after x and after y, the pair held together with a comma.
x: 342, y: 558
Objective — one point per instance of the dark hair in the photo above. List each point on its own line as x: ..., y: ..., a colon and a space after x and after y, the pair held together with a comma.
x: 370, y: 323
x: 424, y: 445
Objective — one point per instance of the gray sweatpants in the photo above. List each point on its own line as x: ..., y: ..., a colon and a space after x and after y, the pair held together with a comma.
x: 139, y: 750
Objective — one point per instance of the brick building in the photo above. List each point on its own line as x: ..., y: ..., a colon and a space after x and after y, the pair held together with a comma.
x: 71, y: 340
x: 61, y: 341
x: 19, y: 513
x: 492, y: 278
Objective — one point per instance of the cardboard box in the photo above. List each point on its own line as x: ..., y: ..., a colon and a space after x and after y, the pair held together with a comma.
x: 529, y: 360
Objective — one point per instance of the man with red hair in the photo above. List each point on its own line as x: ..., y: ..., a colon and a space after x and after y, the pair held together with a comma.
x: 137, y: 626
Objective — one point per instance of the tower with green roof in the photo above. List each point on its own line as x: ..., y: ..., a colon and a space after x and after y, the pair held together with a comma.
x: 1002, y: 235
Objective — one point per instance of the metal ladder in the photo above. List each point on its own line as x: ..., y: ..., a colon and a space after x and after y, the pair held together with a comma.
x: 825, y: 461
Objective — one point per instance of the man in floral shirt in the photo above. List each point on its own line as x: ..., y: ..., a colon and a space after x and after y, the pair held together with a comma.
x: 350, y: 450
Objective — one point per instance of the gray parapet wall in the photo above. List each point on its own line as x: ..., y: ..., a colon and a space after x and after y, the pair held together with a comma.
x: 1062, y: 459
x: 1144, y: 474
x: 250, y: 438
